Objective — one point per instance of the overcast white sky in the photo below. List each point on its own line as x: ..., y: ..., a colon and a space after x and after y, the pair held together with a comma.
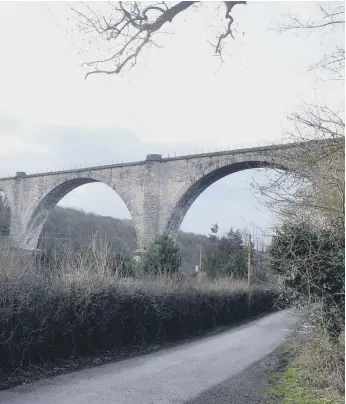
x: 177, y: 99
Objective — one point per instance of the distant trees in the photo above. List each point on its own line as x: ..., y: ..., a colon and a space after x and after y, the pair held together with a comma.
x: 226, y: 255
x: 162, y: 256
x: 71, y: 229
x: 75, y: 236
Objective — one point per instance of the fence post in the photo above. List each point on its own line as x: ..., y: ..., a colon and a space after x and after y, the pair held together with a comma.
x: 249, y: 271
x: 200, y: 255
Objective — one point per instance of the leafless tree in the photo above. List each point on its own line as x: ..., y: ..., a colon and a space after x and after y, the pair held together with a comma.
x: 132, y: 26
x: 315, y: 190
x: 313, y: 187
x: 329, y: 18
x: 311, y: 194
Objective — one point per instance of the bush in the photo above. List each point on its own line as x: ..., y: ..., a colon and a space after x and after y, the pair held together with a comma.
x: 310, y: 263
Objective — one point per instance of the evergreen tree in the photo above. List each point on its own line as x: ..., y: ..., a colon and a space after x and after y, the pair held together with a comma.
x: 225, y: 255
x: 162, y: 256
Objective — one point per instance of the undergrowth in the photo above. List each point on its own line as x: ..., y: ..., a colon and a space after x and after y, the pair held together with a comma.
x: 314, y: 374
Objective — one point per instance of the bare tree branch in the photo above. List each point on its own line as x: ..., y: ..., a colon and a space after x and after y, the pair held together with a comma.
x: 333, y: 63
x: 314, y: 187
x: 328, y: 19
x: 228, y: 32
x: 131, y: 27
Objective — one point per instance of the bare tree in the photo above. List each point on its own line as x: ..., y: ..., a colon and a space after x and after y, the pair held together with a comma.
x: 307, y: 248
x: 328, y: 19
x: 133, y: 25
x: 315, y: 189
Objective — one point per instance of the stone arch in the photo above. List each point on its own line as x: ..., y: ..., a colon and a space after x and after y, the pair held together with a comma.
x: 194, y: 188
x: 47, y: 201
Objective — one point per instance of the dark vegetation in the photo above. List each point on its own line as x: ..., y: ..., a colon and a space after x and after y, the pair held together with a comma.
x: 54, y: 320
x: 85, y: 295
x: 310, y: 263
x: 308, y: 260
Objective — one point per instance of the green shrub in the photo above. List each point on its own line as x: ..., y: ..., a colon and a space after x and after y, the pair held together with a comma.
x: 310, y: 262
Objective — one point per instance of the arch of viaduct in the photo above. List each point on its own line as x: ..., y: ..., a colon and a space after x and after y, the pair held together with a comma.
x: 157, y: 191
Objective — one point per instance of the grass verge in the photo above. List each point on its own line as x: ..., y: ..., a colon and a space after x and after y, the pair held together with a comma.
x: 311, y: 371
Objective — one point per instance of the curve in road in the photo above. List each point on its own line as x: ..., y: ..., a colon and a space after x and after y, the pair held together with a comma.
x: 170, y: 376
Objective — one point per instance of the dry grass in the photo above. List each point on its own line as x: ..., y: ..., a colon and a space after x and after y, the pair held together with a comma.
x: 314, y: 373
x: 322, y: 362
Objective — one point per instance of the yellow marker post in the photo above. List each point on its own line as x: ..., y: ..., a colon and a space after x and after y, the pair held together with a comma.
x: 200, y: 255
x: 249, y: 271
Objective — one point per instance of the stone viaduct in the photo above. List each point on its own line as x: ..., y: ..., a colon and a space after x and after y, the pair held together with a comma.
x: 157, y: 191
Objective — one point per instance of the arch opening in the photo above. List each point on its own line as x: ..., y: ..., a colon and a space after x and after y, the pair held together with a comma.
x: 194, y: 190
x: 78, y: 212
x: 228, y: 201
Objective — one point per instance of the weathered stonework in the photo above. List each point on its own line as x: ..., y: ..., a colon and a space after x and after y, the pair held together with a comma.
x: 157, y: 192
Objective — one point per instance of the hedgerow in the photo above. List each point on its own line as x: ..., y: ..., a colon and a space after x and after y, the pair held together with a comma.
x: 79, y: 312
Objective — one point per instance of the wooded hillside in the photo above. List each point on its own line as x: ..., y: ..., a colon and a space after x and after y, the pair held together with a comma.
x: 75, y: 228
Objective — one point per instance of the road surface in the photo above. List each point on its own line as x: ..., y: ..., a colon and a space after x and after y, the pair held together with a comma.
x: 186, y: 373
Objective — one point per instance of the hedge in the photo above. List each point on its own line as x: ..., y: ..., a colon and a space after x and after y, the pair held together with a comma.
x: 55, y: 320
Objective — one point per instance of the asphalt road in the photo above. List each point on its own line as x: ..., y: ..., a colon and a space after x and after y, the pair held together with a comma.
x: 205, y: 371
